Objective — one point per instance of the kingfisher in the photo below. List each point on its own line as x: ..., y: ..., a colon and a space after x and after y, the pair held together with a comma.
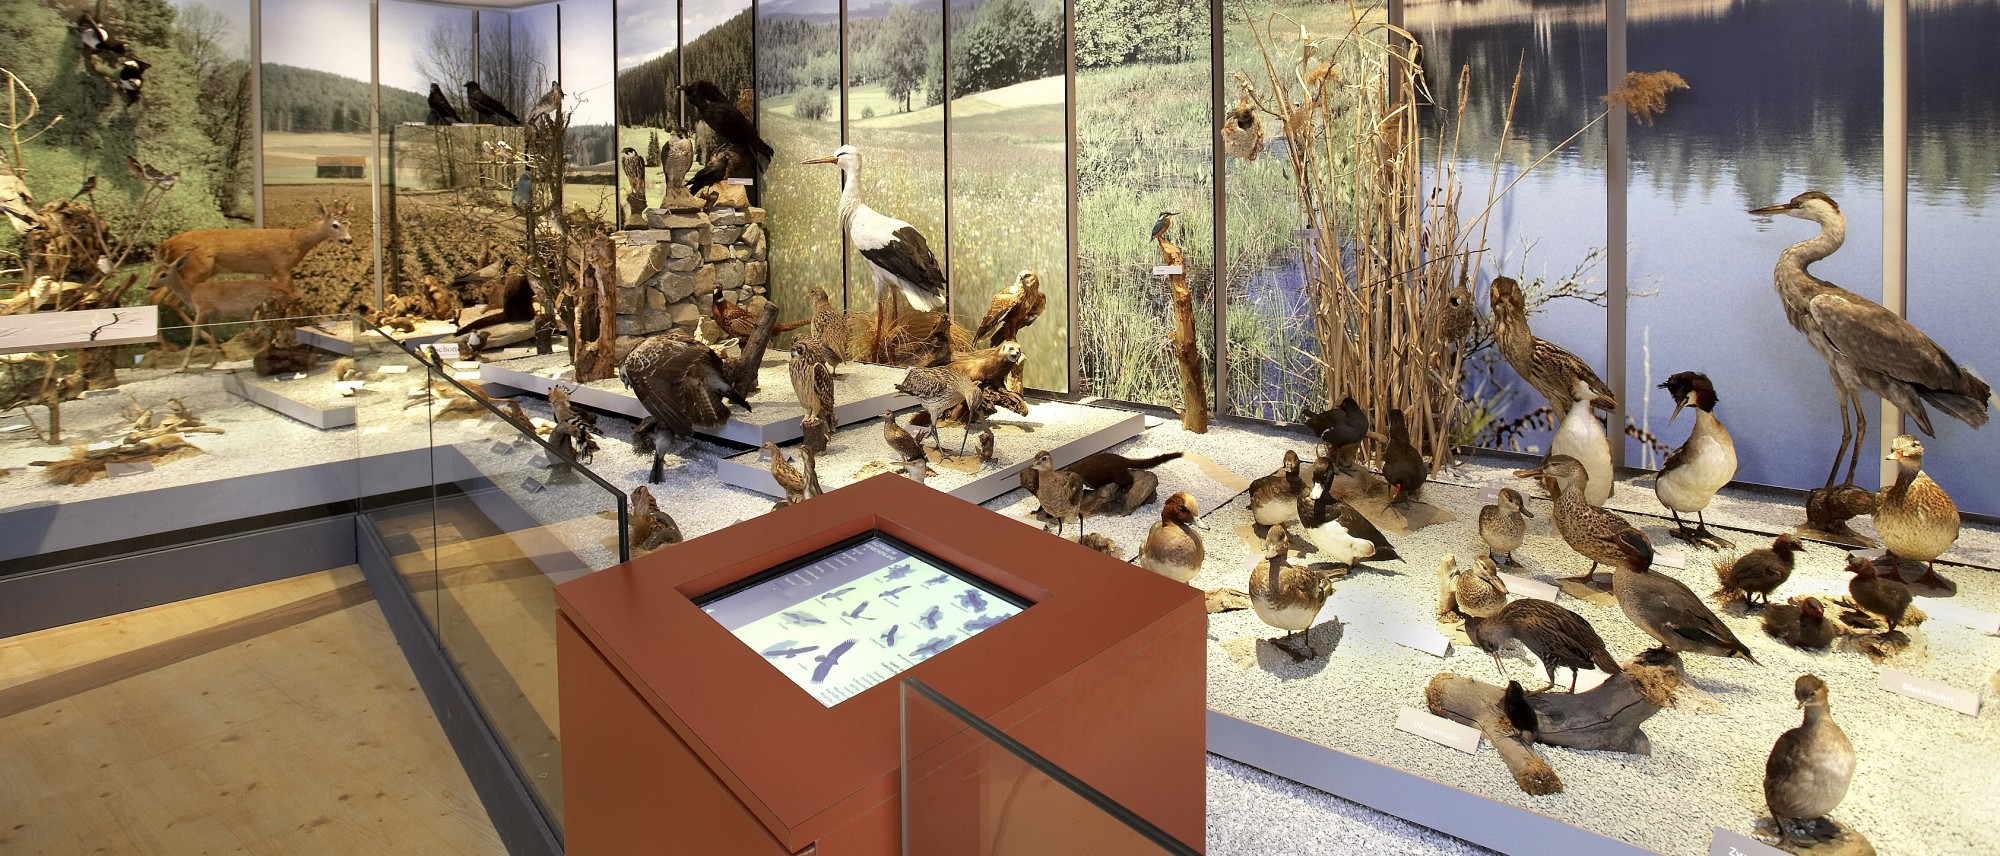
x: 1165, y: 222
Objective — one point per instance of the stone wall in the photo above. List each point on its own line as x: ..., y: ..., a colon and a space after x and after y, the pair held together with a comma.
x: 668, y: 273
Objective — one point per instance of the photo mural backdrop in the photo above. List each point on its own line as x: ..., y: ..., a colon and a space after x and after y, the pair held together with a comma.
x: 1955, y: 221
x: 648, y: 98
x: 1144, y: 132
x: 319, y: 144
x: 798, y: 113
x: 589, y: 69
x: 895, y: 118
x: 1009, y: 175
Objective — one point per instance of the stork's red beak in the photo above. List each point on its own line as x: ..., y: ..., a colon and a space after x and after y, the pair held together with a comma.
x: 827, y: 159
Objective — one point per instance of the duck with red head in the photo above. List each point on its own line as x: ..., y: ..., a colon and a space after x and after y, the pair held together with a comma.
x: 1173, y: 548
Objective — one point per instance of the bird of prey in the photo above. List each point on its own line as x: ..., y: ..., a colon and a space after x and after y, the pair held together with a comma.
x: 548, y: 108
x: 486, y: 108
x: 812, y: 378
x: 727, y: 160
x: 17, y: 204
x: 634, y: 166
x: 1013, y: 307
x: 723, y: 118
x: 681, y: 384
x: 1161, y: 225
x: 442, y: 113
x: 132, y: 78
x: 676, y: 158
x: 897, y: 254
x: 96, y: 38
x: 827, y: 660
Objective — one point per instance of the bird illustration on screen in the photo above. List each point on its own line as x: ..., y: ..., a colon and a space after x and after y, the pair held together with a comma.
x: 828, y: 660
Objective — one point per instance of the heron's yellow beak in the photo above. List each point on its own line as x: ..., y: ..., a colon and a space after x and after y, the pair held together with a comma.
x: 827, y: 159
x: 1779, y: 208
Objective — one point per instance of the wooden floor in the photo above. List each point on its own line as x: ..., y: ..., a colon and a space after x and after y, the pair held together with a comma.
x: 277, y: 719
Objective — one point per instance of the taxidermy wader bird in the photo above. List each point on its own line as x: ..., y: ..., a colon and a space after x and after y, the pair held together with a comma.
x: 1865, y: 345
x: 896, y: 252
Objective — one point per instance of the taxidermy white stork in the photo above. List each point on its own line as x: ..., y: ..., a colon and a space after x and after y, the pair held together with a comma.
x: 896, y: 252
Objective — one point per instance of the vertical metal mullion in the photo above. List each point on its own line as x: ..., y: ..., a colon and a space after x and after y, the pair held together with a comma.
x: 1074, y: 345
x: 1617, y: 253
x: 257, y: 109
x: 1218, y: 203
x: 944, y: 58
x: 375, y: 135
x: 1895, y: 190
x: 476, y: 57
x: 845, y: 253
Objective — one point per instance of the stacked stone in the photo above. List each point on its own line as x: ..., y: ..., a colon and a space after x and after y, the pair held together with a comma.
x: 668, y: 273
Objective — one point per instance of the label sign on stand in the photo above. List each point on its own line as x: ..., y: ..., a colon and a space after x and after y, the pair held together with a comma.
x: 1927, y: 690
x: 1731, y: 843
x: 1960, y: 614
x: 1529, y: 587
x: 1670, y: 559
x: 1438, y: 730
x: 1428, y: 641
x: 1167, y: 270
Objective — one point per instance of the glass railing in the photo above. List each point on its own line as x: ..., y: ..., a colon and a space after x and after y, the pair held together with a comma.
x: 499, y: 517
x: 968, y: 789
x: 173, y: 440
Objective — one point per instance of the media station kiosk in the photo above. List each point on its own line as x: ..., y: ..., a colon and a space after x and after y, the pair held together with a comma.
x: 739, y: 693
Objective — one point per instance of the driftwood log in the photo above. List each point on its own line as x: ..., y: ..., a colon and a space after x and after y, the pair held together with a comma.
x: 1187, y: 353
x: 596, y: 323
x: 742, y: 371
x: 1605, y: 717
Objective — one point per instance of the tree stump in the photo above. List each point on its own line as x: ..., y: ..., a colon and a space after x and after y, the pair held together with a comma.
x: 1605, y: 717
x: 1187, y: 353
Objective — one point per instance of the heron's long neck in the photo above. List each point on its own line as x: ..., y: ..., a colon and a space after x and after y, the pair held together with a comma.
x: 1795, y: 284
x: 850, y: 194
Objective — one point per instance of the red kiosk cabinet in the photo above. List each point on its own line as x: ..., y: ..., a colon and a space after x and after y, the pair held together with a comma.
x: 678, y: 737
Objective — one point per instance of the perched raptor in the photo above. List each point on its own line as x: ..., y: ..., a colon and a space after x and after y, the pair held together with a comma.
x: 681, y: 384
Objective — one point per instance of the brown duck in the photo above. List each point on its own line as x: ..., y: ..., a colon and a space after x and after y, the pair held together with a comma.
x: 1502, y: 525
x: 1059, y: 492
x: 1916, y: 519
x: 1760, y: 571
x: 1666, y: 608
x: 1402, y: 464
x: 1885, y: 598
x: 1173, y: 549
x: 1284, y: 595
x: 1274, y: 498
x: 1474, y: 590
x: 1587, y: 529
x: 1802, y: 625
x: 1810, y: 766
x: 1543, y: 364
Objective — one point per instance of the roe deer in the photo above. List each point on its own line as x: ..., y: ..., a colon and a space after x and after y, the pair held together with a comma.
x: 271, y: 252
x: 219, y: 300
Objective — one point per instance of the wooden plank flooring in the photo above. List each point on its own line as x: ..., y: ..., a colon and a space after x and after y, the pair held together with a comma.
x: 277, y: 719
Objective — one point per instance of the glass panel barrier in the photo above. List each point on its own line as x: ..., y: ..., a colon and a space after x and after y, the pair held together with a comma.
x: 515, y: 516
x: 393, y: 460
x: 970, y: 790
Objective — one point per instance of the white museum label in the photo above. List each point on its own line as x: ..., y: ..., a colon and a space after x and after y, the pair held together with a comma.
x: 464, y: 375
x: 294, y: 376
x: 118, y: 470
x: 532, y: 486
x: 104, y: 446
x: 1438, y: 730
x: 1927, y: 690
x: 79, y: 328
x: 1167, y: 270
x: 1871, y: 554
x: 538, y: 461
x: 395, y: 369
x: 349, y: 384
x: 502, y: 448
x: 9, y: 429
x: 1489, y: 494
x: 1727, y: 842
x: 1422, y: 639
x: 1529, y: 587
x: 465, y: 365
x: 1960, y: 614
x: 1670, y: 559
x: 375, y: 429
x: 447, y: 351
x: 746, y: 182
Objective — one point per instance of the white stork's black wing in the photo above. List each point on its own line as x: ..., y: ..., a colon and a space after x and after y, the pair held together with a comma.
x: 908, y: 256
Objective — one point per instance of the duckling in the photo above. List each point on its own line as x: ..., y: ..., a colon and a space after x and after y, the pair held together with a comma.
x: 1402, y: 464
x: 1059, y: 491
x: 1666, y: 608
x: 1581, y: 436
x: 1702, y: 465
x: 1502, y: 524
x: 1916, y: 519
x: 1804, y: 625
x: 1810, y: 766
x: 1475, y: 591
x: 1587, y: 529
x: 1876, y: 594
x: 1322, y: 507
x: 1102, y: 544
x: 1284, y: 595
x: 1760, y: 571
x: 1557, y: 637
x: 1173, y: 549
x: 1274, y: 498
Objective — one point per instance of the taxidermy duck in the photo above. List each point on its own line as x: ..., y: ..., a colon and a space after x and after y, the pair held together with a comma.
x: 1060, y: 492
x: 1702, y: 465
x: 1274, y: 498
x: 1503, y: 524
x: 1173, y: 549
x: 1402, y: 464
x: 1587, y: 529
x: 1474, y: 590
x: 1341, y: 428
x: 1328, y: 537
x: 1880, y: 596
x: 1810, y: 766
x: 683, y: 385
x: 1581, y: 436
x: 1322, y: 509
x: 1760, y: 571
x: 1916, y: 519
x: 1557, y: 637
x: 1667, y: 609
x: 1802, y: 625
x: 1284, y: 595
x: 1548, y: 368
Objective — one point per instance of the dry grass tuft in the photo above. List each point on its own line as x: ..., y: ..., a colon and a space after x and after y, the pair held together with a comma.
x: 1645, y: 93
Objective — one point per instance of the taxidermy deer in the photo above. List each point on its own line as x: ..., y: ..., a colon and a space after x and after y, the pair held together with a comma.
x: 218, y: 300
x: 271, y: 252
